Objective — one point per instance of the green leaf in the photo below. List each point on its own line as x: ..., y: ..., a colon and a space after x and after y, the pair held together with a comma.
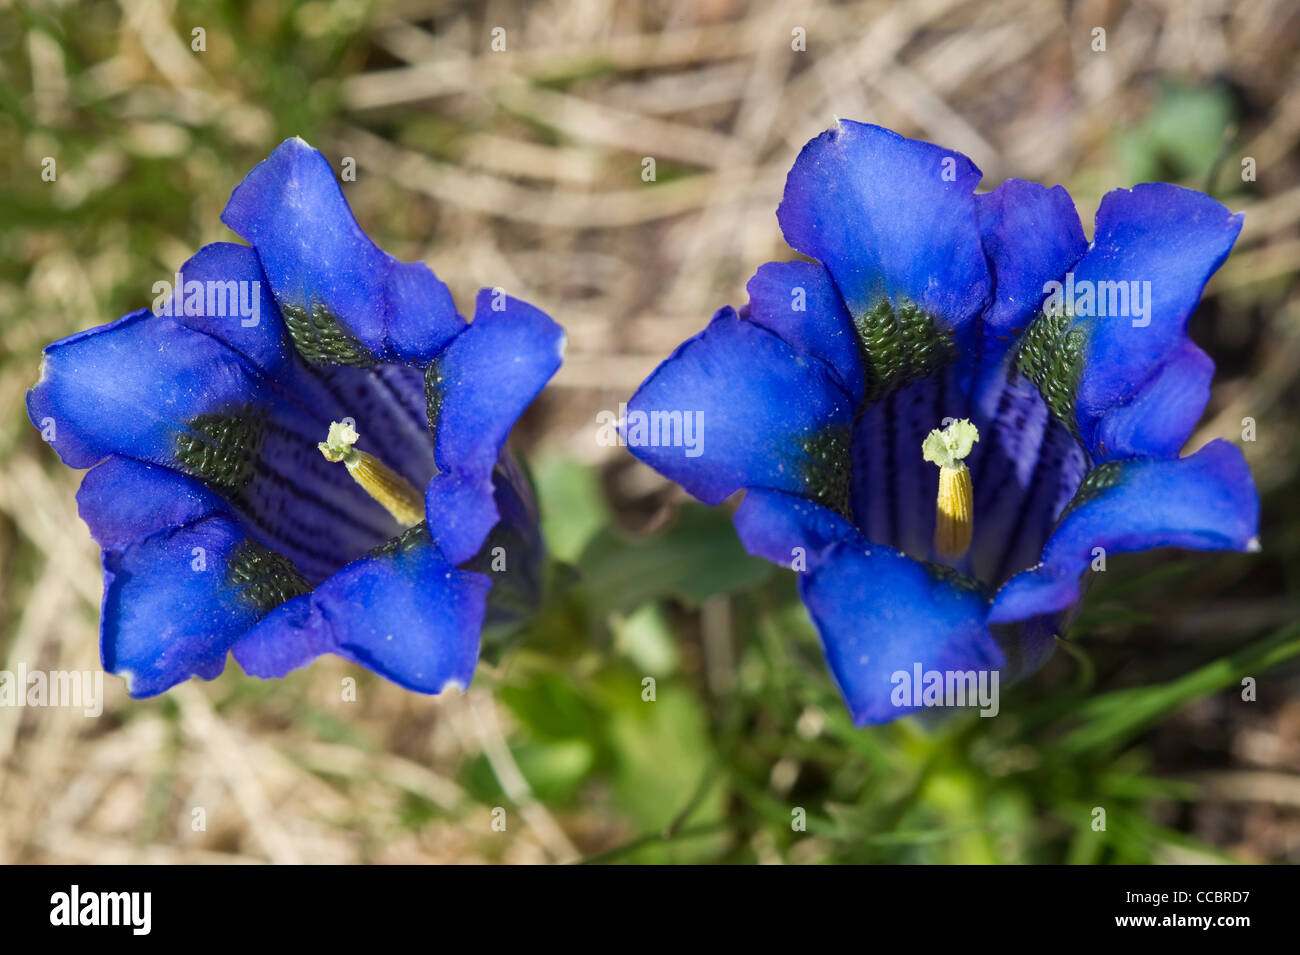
x: 697, y: 557
x: 551, y: 708
x: 554, y: 770
x: 572, y: 505
x: 646, y: 639
x: 1180, y: 138
x: 661, y: 749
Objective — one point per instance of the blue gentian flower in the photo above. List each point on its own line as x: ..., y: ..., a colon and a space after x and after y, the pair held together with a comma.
x: 934, y: 316
x: 225, y: 527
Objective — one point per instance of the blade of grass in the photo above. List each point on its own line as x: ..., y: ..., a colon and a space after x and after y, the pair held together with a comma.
x: 1112, y: 720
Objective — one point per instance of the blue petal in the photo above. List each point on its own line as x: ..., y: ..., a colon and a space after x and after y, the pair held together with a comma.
x: 1030, y: 643
x: 291, y: 209
x: 890, y: 217
x: 513, y: 553
x: 489, y: 375
x: 478, y: 387
x: 123, y: 501
x: 1158, y: 420
x: 461, y: 510
x: 182, y: 580
x: 126, y: 387
x: 1206, y: 501
x: 288, y: 638
x: 244, y: 316
x: 880, y: 612
x: 799, y: 302
x: 1032, y: 236
x: 767, y: 416
x: 771, y: 524
x: 170, y: 609
x: 1170, y: 237
x: 412, y: 618
x: 405, y: 613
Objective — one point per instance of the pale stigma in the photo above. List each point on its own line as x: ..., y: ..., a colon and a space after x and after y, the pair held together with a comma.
x: 380, y: 481
x: 954, y: 515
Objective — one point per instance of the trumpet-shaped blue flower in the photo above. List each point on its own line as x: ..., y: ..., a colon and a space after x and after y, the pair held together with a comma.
x: 1065, y: 365
x: 224, y: 526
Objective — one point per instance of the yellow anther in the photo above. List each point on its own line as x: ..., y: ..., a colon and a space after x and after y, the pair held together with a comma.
x: 954, y: 515
x: 378, y: 480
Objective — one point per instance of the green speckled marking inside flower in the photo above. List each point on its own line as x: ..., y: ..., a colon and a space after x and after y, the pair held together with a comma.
x: 265, y: 578
x: 1051, y: 356
x: 321, y: 338
x: 221, y: 448
x: 433, y: 395
x: 899, y: 345
x: 403, y: 543
x: 1097, y: 480
x: 956, y: 578
x: 827, y: 468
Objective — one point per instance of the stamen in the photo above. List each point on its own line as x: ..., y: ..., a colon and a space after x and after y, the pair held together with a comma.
x: 380, y: 481
x: 954, y: 518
